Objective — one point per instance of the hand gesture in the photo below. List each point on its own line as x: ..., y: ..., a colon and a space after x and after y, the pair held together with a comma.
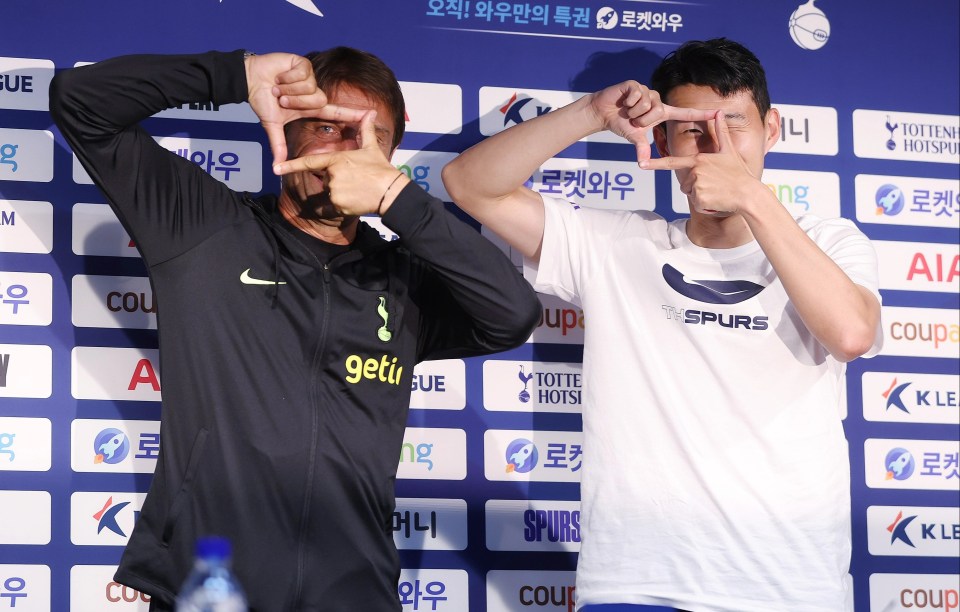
x: 281, y: 88
x: 358, y: 180
x: 717, y: 182
x: 630, y: 109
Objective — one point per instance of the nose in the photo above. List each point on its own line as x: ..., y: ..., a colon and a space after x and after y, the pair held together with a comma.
x: 347, y: 143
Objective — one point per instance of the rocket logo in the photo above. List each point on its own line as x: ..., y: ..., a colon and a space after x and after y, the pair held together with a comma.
x: 522, y: 456
x: 900, y: 464
x: 889, y: 200
x: 110, y: 446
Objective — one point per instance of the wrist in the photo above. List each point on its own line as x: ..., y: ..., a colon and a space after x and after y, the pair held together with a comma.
x: 592, y: 120
x: 391, y: 192
x: 756, y: 199
x: 247, y: 68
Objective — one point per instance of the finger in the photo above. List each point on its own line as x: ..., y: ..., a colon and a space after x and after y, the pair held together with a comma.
x: 368, y: 130
x: 298, y: 88
x: 632, y: 93
x: 651, y: 116
x: 309, y: 163
x: 308, y: 101
x: 277, y: 140
x: 673, y: 113
x: 669, y: 163
x: 332, y: 112
x: 643, y: 148
x: 723, y: 132
x: 299, y: 186
x: 300, y: 70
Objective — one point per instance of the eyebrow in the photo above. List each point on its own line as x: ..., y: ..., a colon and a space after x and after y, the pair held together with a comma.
x: 727, y: 116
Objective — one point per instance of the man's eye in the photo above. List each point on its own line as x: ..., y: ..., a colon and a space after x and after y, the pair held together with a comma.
x: 325, y: 130
x: 694, y: 131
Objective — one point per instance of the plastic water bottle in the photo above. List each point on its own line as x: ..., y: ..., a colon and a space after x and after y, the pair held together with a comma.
x: 211, y: 586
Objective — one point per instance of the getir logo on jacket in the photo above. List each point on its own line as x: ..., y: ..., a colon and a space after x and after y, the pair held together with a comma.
x: 383, y: 368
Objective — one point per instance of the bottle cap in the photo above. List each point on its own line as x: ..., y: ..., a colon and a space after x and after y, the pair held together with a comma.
x: 215, y: 547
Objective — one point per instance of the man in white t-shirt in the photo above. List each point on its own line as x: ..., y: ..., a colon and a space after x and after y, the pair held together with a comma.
x: 715, y: 473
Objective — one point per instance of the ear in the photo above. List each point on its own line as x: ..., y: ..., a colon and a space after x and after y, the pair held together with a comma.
x: 660, y: 140
x: 772, y: 127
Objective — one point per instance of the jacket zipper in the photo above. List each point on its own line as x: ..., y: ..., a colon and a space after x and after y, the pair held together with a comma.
x: 314, y: 430
x: 315, y: 401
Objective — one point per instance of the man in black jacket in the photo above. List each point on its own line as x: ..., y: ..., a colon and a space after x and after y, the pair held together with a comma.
x: 288, y: 328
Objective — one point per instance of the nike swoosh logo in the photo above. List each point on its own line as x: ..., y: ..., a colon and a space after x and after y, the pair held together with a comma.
x: 246, y: 279
x: 711, y: 291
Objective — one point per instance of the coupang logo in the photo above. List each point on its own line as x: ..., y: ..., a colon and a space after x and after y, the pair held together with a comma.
x: 726, y: 292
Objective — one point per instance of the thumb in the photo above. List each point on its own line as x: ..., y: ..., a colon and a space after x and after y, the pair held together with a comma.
x: 278, y: 141
x: 723, y: 132
x: 641, y: 143
x: 368, y: 130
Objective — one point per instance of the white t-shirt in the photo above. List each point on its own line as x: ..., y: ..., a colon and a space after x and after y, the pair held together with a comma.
x: 715, y: 469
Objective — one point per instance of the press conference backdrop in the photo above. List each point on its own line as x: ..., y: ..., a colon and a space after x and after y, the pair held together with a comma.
x: 868, y: 93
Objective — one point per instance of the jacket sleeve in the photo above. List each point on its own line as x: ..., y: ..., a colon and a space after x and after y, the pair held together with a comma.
x: 473, y: 300
x: 165, y: 202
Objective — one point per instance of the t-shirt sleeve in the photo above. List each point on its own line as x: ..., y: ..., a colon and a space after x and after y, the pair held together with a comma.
x: 576, y: 241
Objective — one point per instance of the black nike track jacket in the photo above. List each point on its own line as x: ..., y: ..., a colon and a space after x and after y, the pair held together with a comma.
x: 286, y: 382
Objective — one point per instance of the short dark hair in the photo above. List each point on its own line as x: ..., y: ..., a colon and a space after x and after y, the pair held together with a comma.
x: 721, y: 64
x: 365, y: 71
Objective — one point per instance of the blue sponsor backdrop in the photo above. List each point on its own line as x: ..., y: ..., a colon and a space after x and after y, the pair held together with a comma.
x: 884, y: 55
